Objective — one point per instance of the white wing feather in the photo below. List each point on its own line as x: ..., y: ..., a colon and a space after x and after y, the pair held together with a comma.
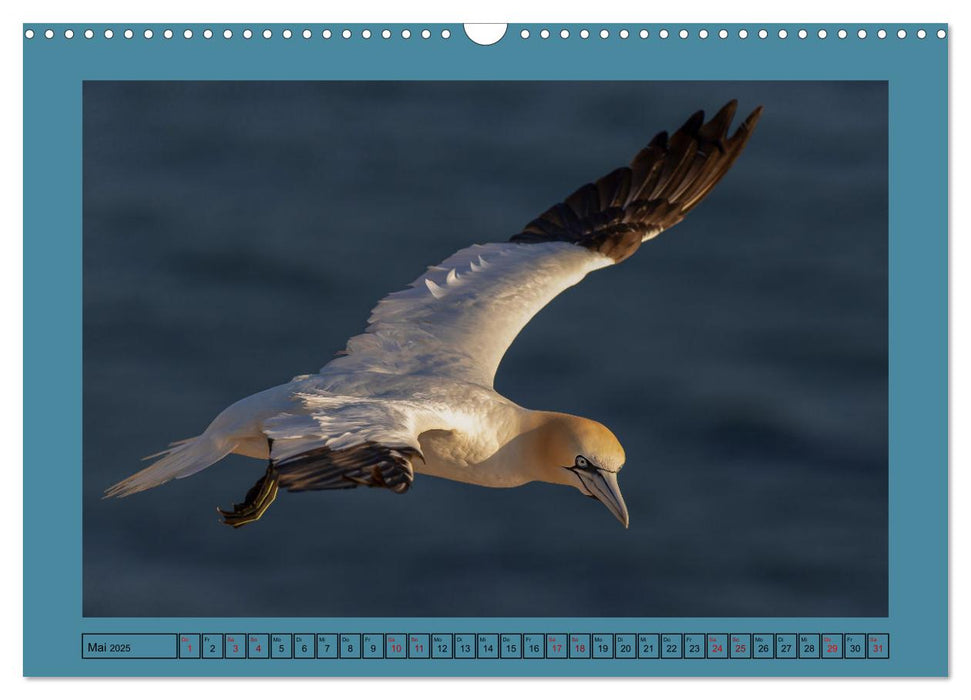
x: 341, y: 422
x: 459, y: 318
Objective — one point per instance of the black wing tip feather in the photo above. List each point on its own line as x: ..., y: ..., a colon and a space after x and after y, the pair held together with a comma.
x: 366, y: 464
x: 664, y: 181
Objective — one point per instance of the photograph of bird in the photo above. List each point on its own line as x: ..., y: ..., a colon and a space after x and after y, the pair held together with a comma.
x: 413, y: 394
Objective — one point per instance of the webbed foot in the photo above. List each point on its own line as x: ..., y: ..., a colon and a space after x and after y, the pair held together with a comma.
x: 257, y: 500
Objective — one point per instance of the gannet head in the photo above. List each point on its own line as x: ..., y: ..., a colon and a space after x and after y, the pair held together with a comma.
x: 585, y: 454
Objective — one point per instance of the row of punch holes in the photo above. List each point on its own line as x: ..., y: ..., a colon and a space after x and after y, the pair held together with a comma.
x: 446, y: 34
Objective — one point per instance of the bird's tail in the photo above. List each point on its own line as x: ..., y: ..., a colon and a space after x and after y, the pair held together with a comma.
x: 181, y: 459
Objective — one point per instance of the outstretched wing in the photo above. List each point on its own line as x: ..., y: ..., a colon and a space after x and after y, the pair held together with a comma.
x: 368, y: 464
x: 665, y: 181
x: 459, y: 318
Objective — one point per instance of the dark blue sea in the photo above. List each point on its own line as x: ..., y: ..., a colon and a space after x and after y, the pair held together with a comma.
x: 236, y: 234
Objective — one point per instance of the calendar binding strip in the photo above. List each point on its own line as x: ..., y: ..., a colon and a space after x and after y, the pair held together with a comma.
x: 770, y: 33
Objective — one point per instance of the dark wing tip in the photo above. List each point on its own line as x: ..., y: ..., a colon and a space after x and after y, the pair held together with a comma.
x: 665, y: 180
x: 752, y: 119
x: 717, y: 128
x: 366, y: 464
x: 693, y: 123
x: 745, y: 129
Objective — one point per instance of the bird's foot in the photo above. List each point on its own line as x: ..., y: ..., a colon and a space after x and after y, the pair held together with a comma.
x: 257, y: 500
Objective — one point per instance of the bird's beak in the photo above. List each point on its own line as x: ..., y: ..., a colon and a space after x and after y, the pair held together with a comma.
x: 603, y: 486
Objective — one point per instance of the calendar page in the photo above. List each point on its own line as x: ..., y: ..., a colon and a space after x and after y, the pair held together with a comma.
x: 485, y: 350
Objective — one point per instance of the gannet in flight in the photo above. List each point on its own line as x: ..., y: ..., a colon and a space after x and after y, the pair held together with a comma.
x: 414, y: 392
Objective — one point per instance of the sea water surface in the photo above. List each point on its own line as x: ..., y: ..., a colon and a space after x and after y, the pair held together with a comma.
x: 236, y: 234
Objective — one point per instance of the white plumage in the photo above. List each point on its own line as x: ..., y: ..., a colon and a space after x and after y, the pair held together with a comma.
x: 459, y: 318
x: 414, y: 392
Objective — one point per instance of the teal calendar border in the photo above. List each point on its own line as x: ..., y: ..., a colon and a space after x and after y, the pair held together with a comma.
x: 916, y: 71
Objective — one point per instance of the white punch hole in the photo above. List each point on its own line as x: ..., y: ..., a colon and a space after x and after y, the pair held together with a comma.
x: 485, y: 34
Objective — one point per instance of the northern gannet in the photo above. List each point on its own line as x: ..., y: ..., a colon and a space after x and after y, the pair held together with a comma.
x: 414, y: 392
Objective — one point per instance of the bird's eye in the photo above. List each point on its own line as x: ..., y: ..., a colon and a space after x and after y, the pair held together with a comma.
x: 581, y: 461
